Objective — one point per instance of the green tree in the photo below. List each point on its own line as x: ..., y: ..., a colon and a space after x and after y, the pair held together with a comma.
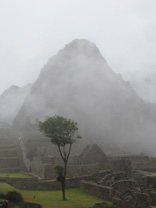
x: 63, y: 133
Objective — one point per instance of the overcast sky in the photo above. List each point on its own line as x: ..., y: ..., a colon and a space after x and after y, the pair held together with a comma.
x: 31, y: 31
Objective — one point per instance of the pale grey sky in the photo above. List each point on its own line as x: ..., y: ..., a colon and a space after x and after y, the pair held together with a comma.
x: 34, y: 30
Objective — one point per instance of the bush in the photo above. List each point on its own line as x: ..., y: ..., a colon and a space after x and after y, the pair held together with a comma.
x: 14, y: 196
x: 59, y: 170
x: 1, y: 195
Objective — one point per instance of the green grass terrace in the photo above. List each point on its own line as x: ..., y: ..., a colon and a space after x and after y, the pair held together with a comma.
x: 15, y: 175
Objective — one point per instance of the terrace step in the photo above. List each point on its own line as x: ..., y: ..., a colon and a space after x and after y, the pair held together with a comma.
x: 9, y: 162
x: 9, y: 170
x: 12, y: 152
x: 7, y: 146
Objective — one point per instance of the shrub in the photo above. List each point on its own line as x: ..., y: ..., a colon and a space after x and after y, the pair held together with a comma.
x: 14, y: 196
x: 59, y: 170
x: 1, y: 195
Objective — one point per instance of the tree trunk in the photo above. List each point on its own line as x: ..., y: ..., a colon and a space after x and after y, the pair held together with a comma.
x: 64, y: 181
x: 63, y: 190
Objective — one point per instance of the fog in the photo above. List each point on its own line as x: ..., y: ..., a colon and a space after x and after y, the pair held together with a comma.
x: 79, y: 84
x: 32, y: 31
x: 86, y: 81
x: 144, y: 82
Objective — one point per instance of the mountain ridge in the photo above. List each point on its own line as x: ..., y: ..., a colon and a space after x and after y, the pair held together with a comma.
x: 11, y: 100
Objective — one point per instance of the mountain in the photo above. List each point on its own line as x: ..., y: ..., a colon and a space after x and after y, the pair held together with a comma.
x: 78, y: 83
x: 11, y: 101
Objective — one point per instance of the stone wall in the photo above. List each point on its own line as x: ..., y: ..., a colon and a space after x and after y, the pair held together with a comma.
x: 103, y: 192
x: 118, y: 165
x: 141, y: 162
x: 147, y: 166
x: 36, y: 184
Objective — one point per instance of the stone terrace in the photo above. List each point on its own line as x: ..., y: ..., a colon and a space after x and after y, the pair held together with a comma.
x: 9, y: 161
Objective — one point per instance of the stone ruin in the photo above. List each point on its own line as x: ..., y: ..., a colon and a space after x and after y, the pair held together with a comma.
x: 121, y: 186
x: 90, y: 161
x: 92, y: 154
x: 140, y: 162
x: 123, y: 182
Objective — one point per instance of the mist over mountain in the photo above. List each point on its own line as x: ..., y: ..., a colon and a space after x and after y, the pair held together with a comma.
x: 78, y: 83
x: 11, y: 101
x: 144, y: 82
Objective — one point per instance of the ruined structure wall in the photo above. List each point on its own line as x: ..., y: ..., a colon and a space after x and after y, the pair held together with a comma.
x: 46, y: 171
x: 78, y: 170
x: 92, y: 154
x: 138, y: 162
x: 72, y: 170
x: 93, y: 157
x: 38, y: 168
x: 120, y: 165
x: 49, y: 172
x: 103, y: 192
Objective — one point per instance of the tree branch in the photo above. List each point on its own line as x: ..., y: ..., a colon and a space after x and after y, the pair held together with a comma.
x: 61, y: 153
x: 64, y: 152
x: 69, y: 150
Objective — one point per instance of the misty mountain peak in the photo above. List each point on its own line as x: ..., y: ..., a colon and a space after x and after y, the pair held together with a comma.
x: 81, y: 46
x: 77, y: 60
x: 75, y: 78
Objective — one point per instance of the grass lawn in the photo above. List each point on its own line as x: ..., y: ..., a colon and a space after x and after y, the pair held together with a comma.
x: 53, y: 199
x: 152, y: 175
x: 4, y: 188
x: 14, y: 175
